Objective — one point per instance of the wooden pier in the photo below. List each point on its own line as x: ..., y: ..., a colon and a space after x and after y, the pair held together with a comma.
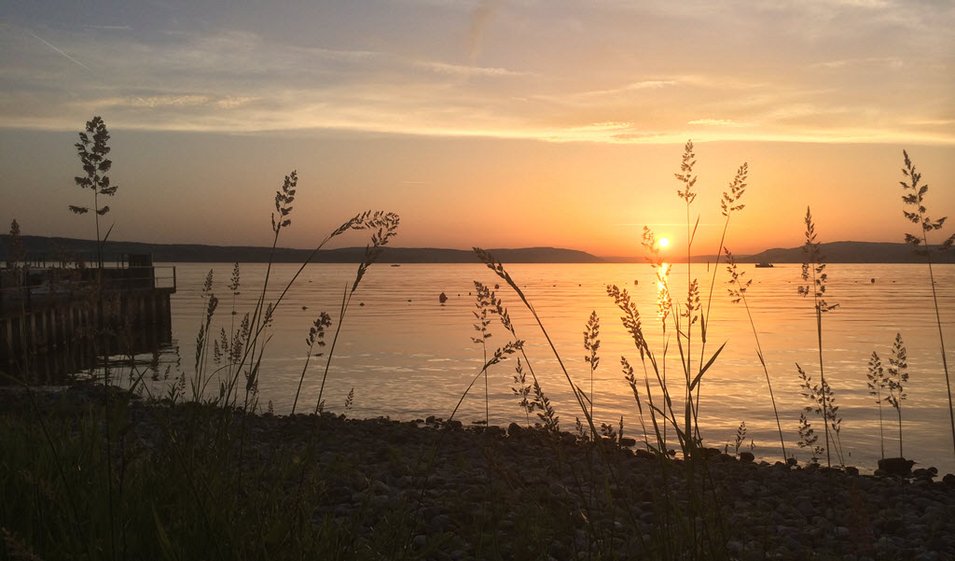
x: 57, y: 312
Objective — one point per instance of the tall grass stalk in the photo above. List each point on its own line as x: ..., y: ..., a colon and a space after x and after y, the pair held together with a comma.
x: 691, y: 305
x: 664, y: 303
x: 385, y: 226
x: 92, y: 150
x: 316, y: 336
x: 701, y: 529
x: 914, y: 198
x: 698, y: 541
x: 877, y: 383
x: 540, y: 402
x: 823, y: 401
x: 592, y: 345
x: 897, y: 377
x: 262, y: 312
x: 496, y: 357
x: 737, y: 292
x: 815, y: 277
x: 632, y: 323
x: 522, y: 389
x: 233, y: 341
x: 729, y: 203
x: 499, y: 270
x: 482, y: 296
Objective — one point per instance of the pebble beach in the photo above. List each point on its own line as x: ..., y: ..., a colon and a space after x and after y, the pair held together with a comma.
x: 487, y: 493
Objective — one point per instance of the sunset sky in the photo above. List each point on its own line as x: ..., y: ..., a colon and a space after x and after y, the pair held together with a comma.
x: 507, y: 123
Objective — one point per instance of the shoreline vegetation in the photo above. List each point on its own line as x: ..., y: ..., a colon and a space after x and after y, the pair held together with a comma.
x: 51, y: 248
x: 201, y: 469
x: 198, y: 481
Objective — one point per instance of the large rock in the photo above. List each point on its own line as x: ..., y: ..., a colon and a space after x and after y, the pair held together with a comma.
x: 896, y: 467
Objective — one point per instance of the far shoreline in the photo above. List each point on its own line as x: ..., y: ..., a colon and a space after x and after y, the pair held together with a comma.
x: 51, y: 250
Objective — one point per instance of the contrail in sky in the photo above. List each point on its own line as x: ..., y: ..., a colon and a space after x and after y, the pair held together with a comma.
x: 58, y: 50
x: 480, y: 19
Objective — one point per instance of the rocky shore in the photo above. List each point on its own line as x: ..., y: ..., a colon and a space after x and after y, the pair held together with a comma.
x: 454, y: 493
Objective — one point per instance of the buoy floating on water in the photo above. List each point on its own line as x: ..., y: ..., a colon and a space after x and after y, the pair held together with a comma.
x: 442, y: 298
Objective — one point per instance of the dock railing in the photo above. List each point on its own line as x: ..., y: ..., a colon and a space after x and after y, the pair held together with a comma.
x: 24, y: 286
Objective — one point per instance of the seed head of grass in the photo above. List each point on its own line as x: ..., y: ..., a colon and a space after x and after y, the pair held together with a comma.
x: 630, y: 317
x: 350, y: 399
x: 692, y: 305
x: 498, y: 307
x: 522, y: 389
x: 686, y: 173
x: 592, y: 340
x: 239, y: 339
x: 914, y: 198
x: 809, y: 439
x: 316, y: 333
x: 501, y: 353
x: 207, y: 284
x: 814, y: 268
x: 546, y: 412
x: 651, y: 247
x: 484, y: 307
x: 664, y: 298
x: 219, y: 347
x: 819, y: 394
x: 234, y: 281
x: 876, y: 379
x: 211, y: 306
x: 730, y: 201
x: 740, y: 436
x: 385, y: 226
x: 284, y: 198
x: 898, y: 373
x: 738, y: 287
x: 824, y: 405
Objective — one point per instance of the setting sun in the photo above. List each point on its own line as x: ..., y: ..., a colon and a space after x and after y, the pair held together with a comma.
x: 664, y: 243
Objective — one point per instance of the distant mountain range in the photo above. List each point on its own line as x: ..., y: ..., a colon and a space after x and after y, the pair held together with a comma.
x: 52, y: 249
x: 855, y: 252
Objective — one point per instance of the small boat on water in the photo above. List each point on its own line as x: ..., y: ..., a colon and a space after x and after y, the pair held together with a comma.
x: 395, y: 265
x: 764, y: 265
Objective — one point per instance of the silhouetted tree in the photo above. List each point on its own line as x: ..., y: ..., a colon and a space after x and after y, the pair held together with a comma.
x: 15, y: 252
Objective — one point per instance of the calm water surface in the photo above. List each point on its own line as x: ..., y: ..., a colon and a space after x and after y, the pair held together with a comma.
x: 408, y: 356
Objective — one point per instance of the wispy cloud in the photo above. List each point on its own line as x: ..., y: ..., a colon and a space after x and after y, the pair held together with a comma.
x: 176, y: 101
x: 468, y: 71
x: 716, y: 123
x: 628, y: 88
x: 891, y: 62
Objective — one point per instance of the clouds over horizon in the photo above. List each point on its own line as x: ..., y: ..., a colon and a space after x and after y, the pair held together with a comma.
x: 848, y: 71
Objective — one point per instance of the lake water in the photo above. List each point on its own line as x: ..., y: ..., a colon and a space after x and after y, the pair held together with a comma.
x: 408, y: 356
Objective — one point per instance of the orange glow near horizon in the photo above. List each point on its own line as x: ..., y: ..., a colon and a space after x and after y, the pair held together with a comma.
x: 473, y: 134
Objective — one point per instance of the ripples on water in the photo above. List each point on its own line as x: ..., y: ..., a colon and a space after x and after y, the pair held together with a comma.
x: 407, y: 356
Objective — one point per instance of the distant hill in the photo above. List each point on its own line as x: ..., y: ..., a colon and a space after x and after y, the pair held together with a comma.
x: 833, y: 252
x: 853, y: 252
x: 40, y: 247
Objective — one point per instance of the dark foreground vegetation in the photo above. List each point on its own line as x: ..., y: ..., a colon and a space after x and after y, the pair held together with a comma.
x: 197, y: 482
